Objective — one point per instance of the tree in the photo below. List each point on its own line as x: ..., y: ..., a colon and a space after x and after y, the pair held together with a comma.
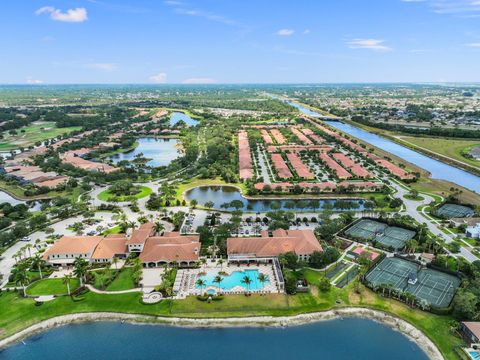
x: 290, y: 259
x: 115, y: 262
x: 38, y: 262
x: 465, y: 305
x: 209, y: 205
x: 193, y: 203
x: 218, y: 280
x: 262, y: 278
x: 66, y: 280
x: 21, y: 278
x: 201, y: 283
x: 159, y: 227
x: 324, y: 284
x: 247, y: 281
x: 80, y: 267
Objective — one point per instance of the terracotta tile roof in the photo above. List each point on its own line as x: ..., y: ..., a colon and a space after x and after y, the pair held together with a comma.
x: 140, y: 235
x: 73, y: 245
x: 279, y: 138
x: 299, y: 166
x: 298, y: 241
x: 110, y: 246
x: 474, y: 327
x: 333, y: 165
x: 244, y: 156
x: 171, y: 247
x: 354, y: 167
x: 301, y: 136
x: 282, y: 168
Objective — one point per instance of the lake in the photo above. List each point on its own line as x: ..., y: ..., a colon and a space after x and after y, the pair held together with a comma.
x: 350, y: 338
x: 161, y: 151
x: 438, y: 169
x: 222, y: 194
x: 175, y: 117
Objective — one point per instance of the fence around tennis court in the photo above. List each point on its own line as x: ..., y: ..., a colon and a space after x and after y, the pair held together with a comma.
x: 392, y: 237
x: 434, y: 287
x: 453, y: 211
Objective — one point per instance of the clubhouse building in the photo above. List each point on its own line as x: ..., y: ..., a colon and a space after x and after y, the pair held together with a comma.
x: 153, y: 249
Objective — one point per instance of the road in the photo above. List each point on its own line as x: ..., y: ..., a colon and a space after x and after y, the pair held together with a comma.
x: 411, y: 209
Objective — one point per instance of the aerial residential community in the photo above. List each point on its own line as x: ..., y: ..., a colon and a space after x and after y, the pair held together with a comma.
x: 226, y: 209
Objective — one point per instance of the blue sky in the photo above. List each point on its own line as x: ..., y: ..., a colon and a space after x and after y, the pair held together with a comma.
x: 247, y: 41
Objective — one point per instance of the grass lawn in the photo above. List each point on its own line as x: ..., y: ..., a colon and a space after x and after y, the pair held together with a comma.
x: 442, y: 188
x: 29, y: 135
x: 17, y: 313
x: 452, y: 148
x: 51, y: 287
x: 123, y: 281
x: 106, y: 195
x: 114, y: 230
x: 18, y: 192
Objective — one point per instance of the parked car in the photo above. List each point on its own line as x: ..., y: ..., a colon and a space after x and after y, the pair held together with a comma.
x: 25, y: 238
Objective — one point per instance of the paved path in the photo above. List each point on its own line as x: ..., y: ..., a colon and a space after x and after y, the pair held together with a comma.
x: 411, y: 209
x: 92, y: 289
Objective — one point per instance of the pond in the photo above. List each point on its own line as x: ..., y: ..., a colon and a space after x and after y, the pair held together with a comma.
x: 220, y: 194
x: 4, y: 197
x: 161, y: 151
x: 350, y: 338
x: 175, y: 117
x: 438, y: 169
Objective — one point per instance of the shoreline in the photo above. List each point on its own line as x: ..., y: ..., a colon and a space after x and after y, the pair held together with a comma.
x: 395, y: 323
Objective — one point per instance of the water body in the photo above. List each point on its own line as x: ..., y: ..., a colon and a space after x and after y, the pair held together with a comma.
x: 161, y: 151
x: 438, y: 169
x: 224, y: 194
x: 4, y: 197
x: 351, y: 338
x: 175, y: 117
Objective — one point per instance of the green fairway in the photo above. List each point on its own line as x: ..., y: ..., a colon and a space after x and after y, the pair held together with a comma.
x: 106, y: 195
x: 51, y: 287
x: 29, y: 135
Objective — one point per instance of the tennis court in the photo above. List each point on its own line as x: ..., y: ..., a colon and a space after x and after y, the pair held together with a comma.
x: 389, y: 236
x: 366, y: 229
x: 454, y: 210
x: 392, y: 271
x: 435, y: 287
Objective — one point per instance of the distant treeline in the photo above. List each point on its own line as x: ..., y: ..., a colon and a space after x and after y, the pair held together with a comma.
x: 433, y: 131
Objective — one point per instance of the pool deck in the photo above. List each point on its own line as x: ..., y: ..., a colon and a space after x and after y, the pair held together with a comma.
x: 186, y: 280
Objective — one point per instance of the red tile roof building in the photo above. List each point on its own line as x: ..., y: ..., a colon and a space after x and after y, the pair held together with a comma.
x: 272, y: 244
x: 301, y: 136
x: 335, y: 167
x: 354, y: 167
x: 302, y: 170
x: 283, y: 171
x: 279, y: 138
x: 244, y: 156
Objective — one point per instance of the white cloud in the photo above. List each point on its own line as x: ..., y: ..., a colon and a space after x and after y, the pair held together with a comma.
x: 32, y: 81
x: 455, y: 7
x: 474, y: 45
x: 199, y: 81
x: 102, y: 66
x: 76, y: 15
x: 160, y: 78
x: 285, y: 32
x: 306, y: 31
x: 370, y: 44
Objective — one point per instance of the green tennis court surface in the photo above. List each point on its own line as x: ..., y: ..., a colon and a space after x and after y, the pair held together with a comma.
x: 454, y: 210
x: 435, y: 287
x: 389, y: 236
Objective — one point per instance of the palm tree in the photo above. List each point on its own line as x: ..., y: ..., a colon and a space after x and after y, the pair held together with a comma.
x: 80, y: 269
x: 201, y: 283
x: 38, y: 262
x: 159, y: 227
x: 115, y: 262
x: 220, y: 262
x: 218, y: 280
x: 21, y: 278
x: 262, y: 278
x: 66, y: 280
x: 247, y: 281
x: 203, y: 261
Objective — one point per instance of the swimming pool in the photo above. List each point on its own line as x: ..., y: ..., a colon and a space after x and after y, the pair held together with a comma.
x: 474, y: 355
x: 234, y: 279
